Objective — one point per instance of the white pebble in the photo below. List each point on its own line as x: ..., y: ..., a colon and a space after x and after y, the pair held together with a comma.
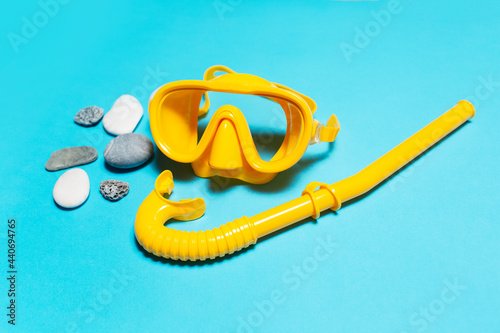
x: 72, y: 188
x: 124, y: 115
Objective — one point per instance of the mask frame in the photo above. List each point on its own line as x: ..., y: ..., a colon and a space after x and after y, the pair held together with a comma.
x: 226, y: 147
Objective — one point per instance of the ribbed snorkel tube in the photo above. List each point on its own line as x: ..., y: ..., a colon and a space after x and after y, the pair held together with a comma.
x: 233, y: 236
x: 184, y: 245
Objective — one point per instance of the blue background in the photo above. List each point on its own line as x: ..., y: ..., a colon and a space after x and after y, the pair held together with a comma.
x: 397, y: 250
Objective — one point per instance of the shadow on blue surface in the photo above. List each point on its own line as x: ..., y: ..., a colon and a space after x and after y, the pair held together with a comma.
x: 220, y: 184
x: 69, y: 209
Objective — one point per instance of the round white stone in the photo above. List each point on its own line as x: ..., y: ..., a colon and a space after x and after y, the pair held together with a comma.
x: 124, y: 115
x: 72, y: 188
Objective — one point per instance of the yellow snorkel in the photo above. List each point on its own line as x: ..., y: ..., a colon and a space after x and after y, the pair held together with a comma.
x: 317, y: 197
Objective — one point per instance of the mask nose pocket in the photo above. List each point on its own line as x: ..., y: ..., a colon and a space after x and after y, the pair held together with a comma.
x: 225, y: 152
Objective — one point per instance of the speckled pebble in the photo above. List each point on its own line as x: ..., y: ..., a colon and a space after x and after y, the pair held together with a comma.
x: 114, y: 190
x: 89, y: 116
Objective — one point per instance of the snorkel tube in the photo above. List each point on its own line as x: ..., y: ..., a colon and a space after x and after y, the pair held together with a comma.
x: 317, y: 197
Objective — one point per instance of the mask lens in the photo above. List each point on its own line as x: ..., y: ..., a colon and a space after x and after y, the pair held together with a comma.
x: 266, y: 120
x: 178, y: 119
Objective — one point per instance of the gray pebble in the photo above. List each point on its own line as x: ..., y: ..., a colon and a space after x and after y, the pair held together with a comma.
x: 70, y: 157
x: 128, y: 150
x: 89, y: 116
x: 114, y: 190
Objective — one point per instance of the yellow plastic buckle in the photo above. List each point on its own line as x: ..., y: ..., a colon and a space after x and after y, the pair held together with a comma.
x: 322, y: 133
x: 311, y: 188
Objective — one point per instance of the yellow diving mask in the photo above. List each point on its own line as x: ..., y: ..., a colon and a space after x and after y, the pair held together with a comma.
x: 226, y: 146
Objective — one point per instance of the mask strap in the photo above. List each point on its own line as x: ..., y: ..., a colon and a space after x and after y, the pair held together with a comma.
x: 320, y: 132
x: 209, y: 75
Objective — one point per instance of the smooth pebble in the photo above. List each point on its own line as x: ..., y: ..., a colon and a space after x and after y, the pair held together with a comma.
x: 72, y: 188
x: 114, y: 190
x: 70, y: 157
x: 128, y: 150
x: 89, y: 116
x: 124, y: 115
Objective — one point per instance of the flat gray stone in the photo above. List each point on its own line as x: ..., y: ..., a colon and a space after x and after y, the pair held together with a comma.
x: 70, y: 157
x: 114, y: 190
x: 89, y: 116
x: 128, y: 150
